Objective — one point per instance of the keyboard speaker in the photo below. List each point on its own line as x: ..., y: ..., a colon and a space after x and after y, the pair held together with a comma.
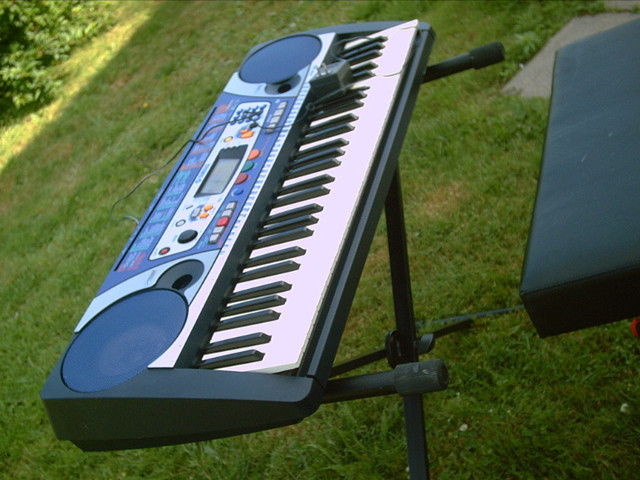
x: 122, y: 340
x: 281, y: 60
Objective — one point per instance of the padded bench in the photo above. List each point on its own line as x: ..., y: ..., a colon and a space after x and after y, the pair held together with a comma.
x: 582, y: 264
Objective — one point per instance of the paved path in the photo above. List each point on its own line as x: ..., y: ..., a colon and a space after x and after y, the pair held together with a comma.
x: 534, y: 80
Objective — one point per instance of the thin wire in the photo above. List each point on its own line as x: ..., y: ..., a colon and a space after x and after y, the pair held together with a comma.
x: 139, y: 184
x: 470, y: 316
x: 162, y: 167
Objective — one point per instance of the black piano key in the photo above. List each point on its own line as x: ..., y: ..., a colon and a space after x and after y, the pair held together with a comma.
x: 250, y: 340
x: 305, y: 184
x: 363, y: 71
x: 277, y: 256
x: 355, y: 53
x: 364, y: 67
x: 317, y: 157
x: 248, y: 319
x: 359, y: 93
x: 360, y: 76
x: 290, y: 224
x: 260, y: 291
x: 319, y: 152
x: 363, y: 45
x: 297, y: 171
x: 363, y: 54
x: 301, y: 196
x: 253, y: 305
x: 345, y: 103
x: 232, y: 359
x: 268, y: 270
x: 283, y: 237
x: 293, y: 213
x: 341, y: 120
x: 325, y: 133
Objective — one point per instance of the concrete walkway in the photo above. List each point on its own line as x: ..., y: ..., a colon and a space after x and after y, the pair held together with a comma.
x: 534, y: 80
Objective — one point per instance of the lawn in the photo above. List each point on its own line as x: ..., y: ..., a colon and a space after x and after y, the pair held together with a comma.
x: 517, y: 407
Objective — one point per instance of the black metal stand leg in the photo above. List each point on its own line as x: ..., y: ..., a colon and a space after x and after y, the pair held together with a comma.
x: 405, y: 326
x: 416, y: 438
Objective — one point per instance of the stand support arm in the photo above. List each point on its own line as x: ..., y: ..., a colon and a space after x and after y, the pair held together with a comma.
x: 477, y: 58
x: 406, y: 379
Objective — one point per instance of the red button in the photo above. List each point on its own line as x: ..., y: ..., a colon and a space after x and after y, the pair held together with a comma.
x: 164, y: 251
x: 241, y: 178
x: 635, y: 327
x: 223, y: 222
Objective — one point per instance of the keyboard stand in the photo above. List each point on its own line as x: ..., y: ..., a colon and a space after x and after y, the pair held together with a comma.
x: 409, y: 378
x: 406, y: 328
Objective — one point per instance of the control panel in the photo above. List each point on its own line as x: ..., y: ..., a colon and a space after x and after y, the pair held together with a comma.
x: 220, y: 184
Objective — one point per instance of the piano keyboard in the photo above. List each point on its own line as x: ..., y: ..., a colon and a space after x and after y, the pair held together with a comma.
x: 246, y: 262
x: 271, y: 313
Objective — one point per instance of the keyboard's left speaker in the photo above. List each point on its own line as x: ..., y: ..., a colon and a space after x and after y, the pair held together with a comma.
x: 122, y: 340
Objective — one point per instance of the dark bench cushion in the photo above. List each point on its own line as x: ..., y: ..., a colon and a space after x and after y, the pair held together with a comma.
x: 582, y: 265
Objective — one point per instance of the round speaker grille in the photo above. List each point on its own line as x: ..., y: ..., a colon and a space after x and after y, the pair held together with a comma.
x: 280, y: 60
x: 122, y: 340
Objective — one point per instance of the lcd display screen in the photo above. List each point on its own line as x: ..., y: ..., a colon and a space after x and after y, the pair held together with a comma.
x: 222, y: 171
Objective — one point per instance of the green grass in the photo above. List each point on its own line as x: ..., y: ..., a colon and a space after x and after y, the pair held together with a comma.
x: 532, y: 408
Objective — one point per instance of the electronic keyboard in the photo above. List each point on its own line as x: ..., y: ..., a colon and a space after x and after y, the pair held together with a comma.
x: 223, y: 313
